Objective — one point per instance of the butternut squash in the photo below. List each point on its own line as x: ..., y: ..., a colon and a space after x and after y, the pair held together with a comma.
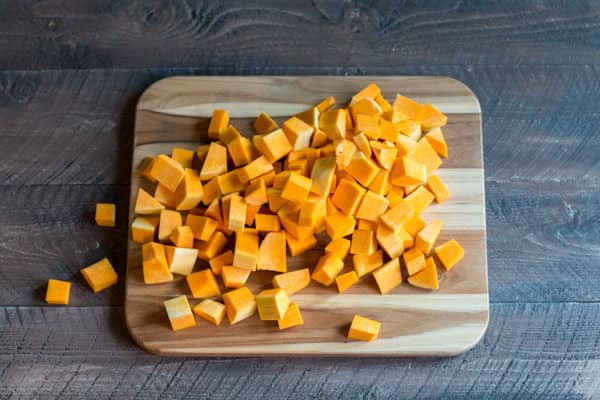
x: 293, y: 281
x: 57, y: 291
x: 363, y: 329
x: 449, y: 254
x: 210, y: 310
x: 272, y: 252
x: 240, y: 304
x: 427, y: 277
x: 106, y: 214
x: 272, y: 304
x: 388, y: 276
x: 179, y: 313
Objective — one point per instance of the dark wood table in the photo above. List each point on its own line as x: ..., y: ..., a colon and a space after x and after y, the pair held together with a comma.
x: 70, y: 74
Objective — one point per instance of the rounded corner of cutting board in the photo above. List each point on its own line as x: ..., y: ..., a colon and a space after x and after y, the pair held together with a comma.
x: 154, y: 87
x: 465, y: 87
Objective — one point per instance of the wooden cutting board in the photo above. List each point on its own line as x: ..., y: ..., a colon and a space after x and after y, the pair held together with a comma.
x: 176, y: 111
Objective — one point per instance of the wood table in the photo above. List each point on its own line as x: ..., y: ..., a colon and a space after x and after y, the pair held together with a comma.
x: 70, y: 74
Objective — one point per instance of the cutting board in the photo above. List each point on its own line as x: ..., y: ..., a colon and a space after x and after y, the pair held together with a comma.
x: 414, y: 322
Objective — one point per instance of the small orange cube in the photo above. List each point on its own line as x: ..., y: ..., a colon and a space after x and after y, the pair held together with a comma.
x: 58, y: 292
x: 143, y: 229
x: 347, y: 196
x: 344, y: 281
x: 296, y: 188
x: 372, y: 206
x: 339, y: 225
x: 203, y: 284
x: 182, y: 236
x: 327, y: 268
x: 298, y: 132
x: 202, y: 227
x: 210, y: 310
x: 106, y: 214
x: 436, y: 186
x: 240, y: 304
x: 449, y: 254
x: 363, y: 242
x: 363, y: 329
x: 212, y: 247
x: 414, y: 261
x: 264, y: 124
x: 365, y: 264
x: 388, y: 276
x: 291, y: 318
x: 272, y: 304
x: 340, y: 247
x: 234, y: 277
x: 245, y: 254
x: 167, y: 171
x: 292, y: 282
x: 218, y: 123
x: 179, y: 313
x: 362, y: 168
x: 216, y: 263
x: 100, y: 275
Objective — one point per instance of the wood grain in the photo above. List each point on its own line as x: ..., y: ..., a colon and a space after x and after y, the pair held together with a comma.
x: 174, y: 112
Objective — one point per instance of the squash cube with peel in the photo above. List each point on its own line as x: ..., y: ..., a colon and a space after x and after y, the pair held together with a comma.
x: 431, y: 118
x: 240, y: 304
x: 389, y: 241
x: 58, y: 291
x: 202, y: 227
x: 272, y: 252
x: 203, y: 284
x: 347, y: 196
x: 291, y: 318
x: 449, y: 254
x: 406, y: 172
x: 327, y: 268
x: 437, y: 188
x: 100, y: 275
x: 345, y: 281
x: 167, y: 171
x: 210, y: 310
x: 216, y: 263
x: 146, y: 204
x: 396, y: 216
x: 363, y: 242
x: 212, y: 247
x: 169, y: 221
x: 218, y: 123
x: 189, y: 193
x: 264, y: 124
x: 339, y: 225
x: 333, y: 123
x: 182, y: 236
x: 340, y: 247
x: 267, y: 223
x: 255, y: 168
x: 425, y: 154
x: 322, y: 175
x: 292, y: 282
x: 274, y: 145
x: 414, y: 260
x: 420, y: 199
x: 362, y: 168
x: 181, y: 260
x: 427, y: 236
x: 154, y: 263
x: 372, y: 206
x: 179, y: 313
x: 365, y: 264
x: 298, y: 132
x: 272, y: 304
x: 437, y: 141
x: 363, y: 329
x: 369, y: 125
x: 296, y: 188
x: 215, y: 162
x: 299, y: 246
x: 427, y: 277
x: 245, y: 254
x: 106, y: 214
x: 183, y: 156
x: 388, y: 276
x: 234, y: 277
x: 143, y: 229
x: 237, y: 213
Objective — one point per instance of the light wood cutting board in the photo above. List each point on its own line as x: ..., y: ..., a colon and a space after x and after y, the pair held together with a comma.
x: 177, y: 110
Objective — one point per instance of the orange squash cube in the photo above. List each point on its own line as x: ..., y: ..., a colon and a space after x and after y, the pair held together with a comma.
x: 370, y: 91
x: 201, y: 153
x: 405, y: 108
x: 210, y: 310
x: 203, y: 284
x: 202, y: 227
x: 169, y: 221
x: 396, y: 216
x: 272, y: 253
x: 339, y: 247
x: 106, y: 214
x: 363, y: 169
x: 143, y: 229
x: 230, y: 182
x: 211, y: 191
x: 264, y: 124
x: 363, y: 329
x: 366, y: 264
x: 427, y: 236
x: 310, y: 116
x: 389, y: 241
x: 291, y: 318
x: 216, y: 263
x: 325, y: 104
x: 388, y: 276
x: 100, y: 275
x: 292, y: 282
x: 241, y: 151
x: 181, y: 260
x: 289, y: 217
x: 299, y: 246
x: 322, y: 175
x: 234, y: 277
x: 438, y: 188
x: 327, y: 268
x: 363, y: 242
x: 381, y: 182
x: 395, y: 195
x: 420, y: 199
x: 389, y: 130
x: 272, y: 304
x: 449, y: 254
x: 145, y: 167
x: 339, y: 225
x: 405, y: 145
x: 347, y: 196
x: 255, y: 168
x: 431, y: 118
x: 251, y: 211
x: 427, y: 277
x: 274, y: 145
x: 237, y: 213
x: 154, y: 264
x: 189, y: 193
x: 245, y: 254
x: 212, y: 247
x: 437, y: 141
x: 274, y: 199
x: 385, y: 155
x: 256, y: 193
x: 372, y: 206
x: 240, y: 304
x: 344, y: 281
x: 167, y: 171
x: 298, y: 132
x: 406, y: 172
x: 183, y: 156
x: 267, y: 223
x: 182, y: 236
x: 296, y: 188
x: 425, y: 154
x: 179, y: 313
x: 369, y: 125
x: 333, y: 123
x: 362, y: 143
x: 146, y: 204
x: 165, y: 196
x: 218, y: 123
x: 410, y: 129
x: 58, y: 292
x: 414, y: 260
x: 366, y: 106
x: 215, y: 162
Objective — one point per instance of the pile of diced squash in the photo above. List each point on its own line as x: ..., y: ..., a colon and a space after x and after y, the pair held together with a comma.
x: 361, y: 175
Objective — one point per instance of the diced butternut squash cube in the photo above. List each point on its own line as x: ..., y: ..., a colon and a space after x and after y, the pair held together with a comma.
x: 310, y: 117
x: 251, y: 211
x: 212, y: 247
x: 427, y: 236
x: 218, y: 123
x: 296, y: 188
x: 431, y: 118
x: 395, y: 195
x: 203, y: 284
x: 338, y: 247
x: 201, y: 153
x: 215, y: 162
x: 189, y: 192
x: 145, y: 167
x: 155, y: 267
x: 362, y: 168
x: 389, y: 241
x: 420, y: 199
x: 272, y: 304
x: 291, y: 318
x: 347, y: 196
x: 146, y: 204
x: 255, y: 168
x: 381, y: 183
x: 385, y: 155
x: 245, y: 254
x: 292, y: 282
x: 370, y: 91
x: 264, y: 124
x: 405, y: 145
x: 58, y: 292
x: 344, y: 281
x: 367, y: 124
x: 410, y: 129
x: 300, y: 166
x: 322, y: 175
x: 405, y: 108
x: 169, y: 221
x: 389, y: 130
x: 234, y: 277
x: 426, y: 155
x: 449, y: 254
x: 388, y: 276
x: 372, y: 206
x: 325, y: 104
x: 182, y: 236
x: 383, y: 103
x: 298, y: 132
x: 366, y: 106
x: 363, y: 242
x: 213, y: 211
x: 367, y: 225
x: 299, y: 246
x: 289, y: 216
x: 362, y: 143
x: 280, y: 179
x: 167, y: 171
x: 143, y: 229
x: 202, y: 227
x: 267, y: 223
x: 183, y: 156
x: 319, y: 138
x: 240, y: 304
x: 272, y: 252
x: 210, y: 310
x: 211, y: 191
x: 237, y: 213
x: 363, y: 329
x: 179, y: 313
x: 165, y: 196
x: 427, y: 277
x: 230, y: 182
x: 366, y: 264
x: 333, y: 123
x: 438, y: 188
x: 100, y: 275
x: 407, y: 172
x: 414, y: 225
x: 414, y: 260
x: 106, y: 214
x: 437, y: 141
x: 216, y: 263
x: 313, y: 211
x: 256, y: 193
x: 273, y: 145
x: 274, y: 199
x: 395, y: 217
x: 181, y: 260
x: 339, y: 225
x: 240, y: 150
x: 327, y: 268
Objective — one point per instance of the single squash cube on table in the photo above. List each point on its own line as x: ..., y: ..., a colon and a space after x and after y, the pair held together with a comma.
x: 272, y: 304
x: 100, y: 275
x: 344, y: 281
x: 449, y: 254
x: 240, y: 304
x: 106, y: 214
x: 291, y: 318
x: 364, y: 329
x: 210, y: 310
x: 179, y: 313
x: 58, y: 292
